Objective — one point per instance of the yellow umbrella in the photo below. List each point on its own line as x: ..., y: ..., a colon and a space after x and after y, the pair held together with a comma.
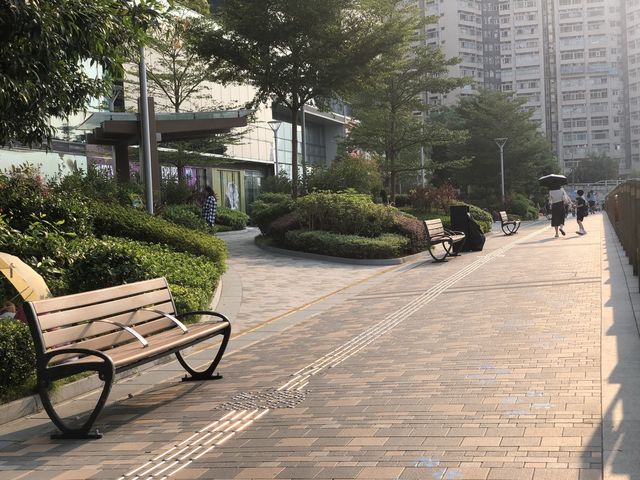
x: 29, y: 284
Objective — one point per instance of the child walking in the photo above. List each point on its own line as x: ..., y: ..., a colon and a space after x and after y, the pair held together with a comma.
x: 582, y: 210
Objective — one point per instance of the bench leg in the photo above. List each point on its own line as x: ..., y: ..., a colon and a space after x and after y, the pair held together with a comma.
x: 448, y: 247
x: 208, y: 373
x: 84, y: 431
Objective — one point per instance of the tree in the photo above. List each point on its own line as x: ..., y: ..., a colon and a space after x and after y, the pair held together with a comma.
x: 598, y: 166
x: 178, y: 80
x: 393, y: 119
x: 527, y: 154
x: 296, y: 51
x: 42, y: 48
x: 348, y: 171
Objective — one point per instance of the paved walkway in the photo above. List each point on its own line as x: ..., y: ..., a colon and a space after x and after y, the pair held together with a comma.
x: 518, y: 362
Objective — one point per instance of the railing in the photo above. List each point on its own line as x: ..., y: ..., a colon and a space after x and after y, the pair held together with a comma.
x: 623, y: 206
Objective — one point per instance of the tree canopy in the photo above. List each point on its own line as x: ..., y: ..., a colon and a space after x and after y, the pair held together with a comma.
x: 527, y: 153
x: 598, y: 166
x: 295, y: 51
x: 43, y: 46
x: 393, y: 117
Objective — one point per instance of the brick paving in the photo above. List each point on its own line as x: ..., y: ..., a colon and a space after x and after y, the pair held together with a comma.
x: 489, y: 366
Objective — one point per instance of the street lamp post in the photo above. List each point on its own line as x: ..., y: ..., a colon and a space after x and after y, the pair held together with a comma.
x: 500, y: 142
x: 275, y: 125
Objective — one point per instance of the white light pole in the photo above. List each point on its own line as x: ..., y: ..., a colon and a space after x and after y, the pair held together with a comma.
x: 500, y: 142
x: 275, y: 125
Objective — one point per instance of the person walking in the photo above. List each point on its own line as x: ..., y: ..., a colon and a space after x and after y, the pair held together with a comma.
x: 582, y: 210
x: 558, y: 199
x: 209, y: 207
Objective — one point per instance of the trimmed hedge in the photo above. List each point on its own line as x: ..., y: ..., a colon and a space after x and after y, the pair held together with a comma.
x: 118, y: 221
x: 17, y: 355
x: 388, y: 245
x: 114, y: 261
x: 414, y: 230
x: 344, y: 213
x: 235, y: 219
x: 187, y: 215
x: 269, y: 207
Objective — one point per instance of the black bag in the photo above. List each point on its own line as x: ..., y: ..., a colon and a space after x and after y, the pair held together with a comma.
x: 475, y: 239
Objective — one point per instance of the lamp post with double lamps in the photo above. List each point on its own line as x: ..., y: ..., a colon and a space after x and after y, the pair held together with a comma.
x: 275, y: 125
x: 500, y: 142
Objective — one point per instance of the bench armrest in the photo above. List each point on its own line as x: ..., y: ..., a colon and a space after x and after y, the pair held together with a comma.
x: 68, y: 351
x: 454, y: 232
x: 222, y: 317
x: 127, y: 329
x: 173, y: 318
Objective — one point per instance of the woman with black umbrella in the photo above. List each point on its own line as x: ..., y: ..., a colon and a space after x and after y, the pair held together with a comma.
x: 558, y: 199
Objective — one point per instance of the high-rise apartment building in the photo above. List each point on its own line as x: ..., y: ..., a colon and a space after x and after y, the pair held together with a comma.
x: 576, y: 62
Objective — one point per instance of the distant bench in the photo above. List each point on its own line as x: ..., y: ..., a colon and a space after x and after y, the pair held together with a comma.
x: 438, y: 235
x: 109, y: 331
x: 509, y: 227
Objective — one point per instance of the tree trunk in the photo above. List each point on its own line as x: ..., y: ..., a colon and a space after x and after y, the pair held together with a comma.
x: 294, y: 152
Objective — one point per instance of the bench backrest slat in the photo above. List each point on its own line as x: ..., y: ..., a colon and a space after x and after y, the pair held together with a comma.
x: 66, y: 321
x: 504, y: 217
x: 71, y: 333
x: 434, y: 228
x: 88, y: 298
x: 107, y: 309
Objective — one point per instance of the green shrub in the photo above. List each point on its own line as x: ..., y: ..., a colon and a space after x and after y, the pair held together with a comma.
x: 25, y: 195
x: 42, y: 246
x: 347, y: 172
x: 268, y: 207
x: 17, y: 355
x: 279, y: 183
x: 97, y: 184
x: 348, y: 246
x: 173, y: 192
x: 235, y: 219
x: 344, y: 213
x: 403, y: 200
x: 187, y: 215
x: 484, y: 218
x: 115, y: 220
x: 522, y: 206
x: 280, y: 226
x: 114, y: 261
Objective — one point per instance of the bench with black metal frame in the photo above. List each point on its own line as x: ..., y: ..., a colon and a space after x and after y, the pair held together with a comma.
x: 450, y: 240
x: 112, y: 330
x: 509, y: 227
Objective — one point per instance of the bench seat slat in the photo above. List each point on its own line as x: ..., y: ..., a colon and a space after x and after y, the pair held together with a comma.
x: 125, y: 355
x: 96, y: 296
x: 105, y: 309
x: 72, y: 333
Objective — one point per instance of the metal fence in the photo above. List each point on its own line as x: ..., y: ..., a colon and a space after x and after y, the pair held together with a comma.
x: 623, y: 207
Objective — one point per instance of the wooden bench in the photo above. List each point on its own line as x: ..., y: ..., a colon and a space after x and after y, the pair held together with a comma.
x: 509, y: 227
x: 109, y: 331
x: 437, y: 234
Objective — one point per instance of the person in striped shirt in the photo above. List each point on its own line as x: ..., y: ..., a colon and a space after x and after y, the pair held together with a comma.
x: 209, y: 207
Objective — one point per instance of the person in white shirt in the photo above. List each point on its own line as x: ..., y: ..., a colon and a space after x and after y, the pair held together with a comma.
x: 558, y: 199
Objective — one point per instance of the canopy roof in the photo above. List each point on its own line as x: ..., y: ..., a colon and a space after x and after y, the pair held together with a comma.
x: 110, y: 128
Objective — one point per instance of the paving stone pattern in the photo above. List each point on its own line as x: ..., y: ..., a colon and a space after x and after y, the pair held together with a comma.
x: 495, y: 377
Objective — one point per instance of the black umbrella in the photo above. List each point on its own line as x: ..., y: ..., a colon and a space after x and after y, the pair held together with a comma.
x: 553, y: 181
